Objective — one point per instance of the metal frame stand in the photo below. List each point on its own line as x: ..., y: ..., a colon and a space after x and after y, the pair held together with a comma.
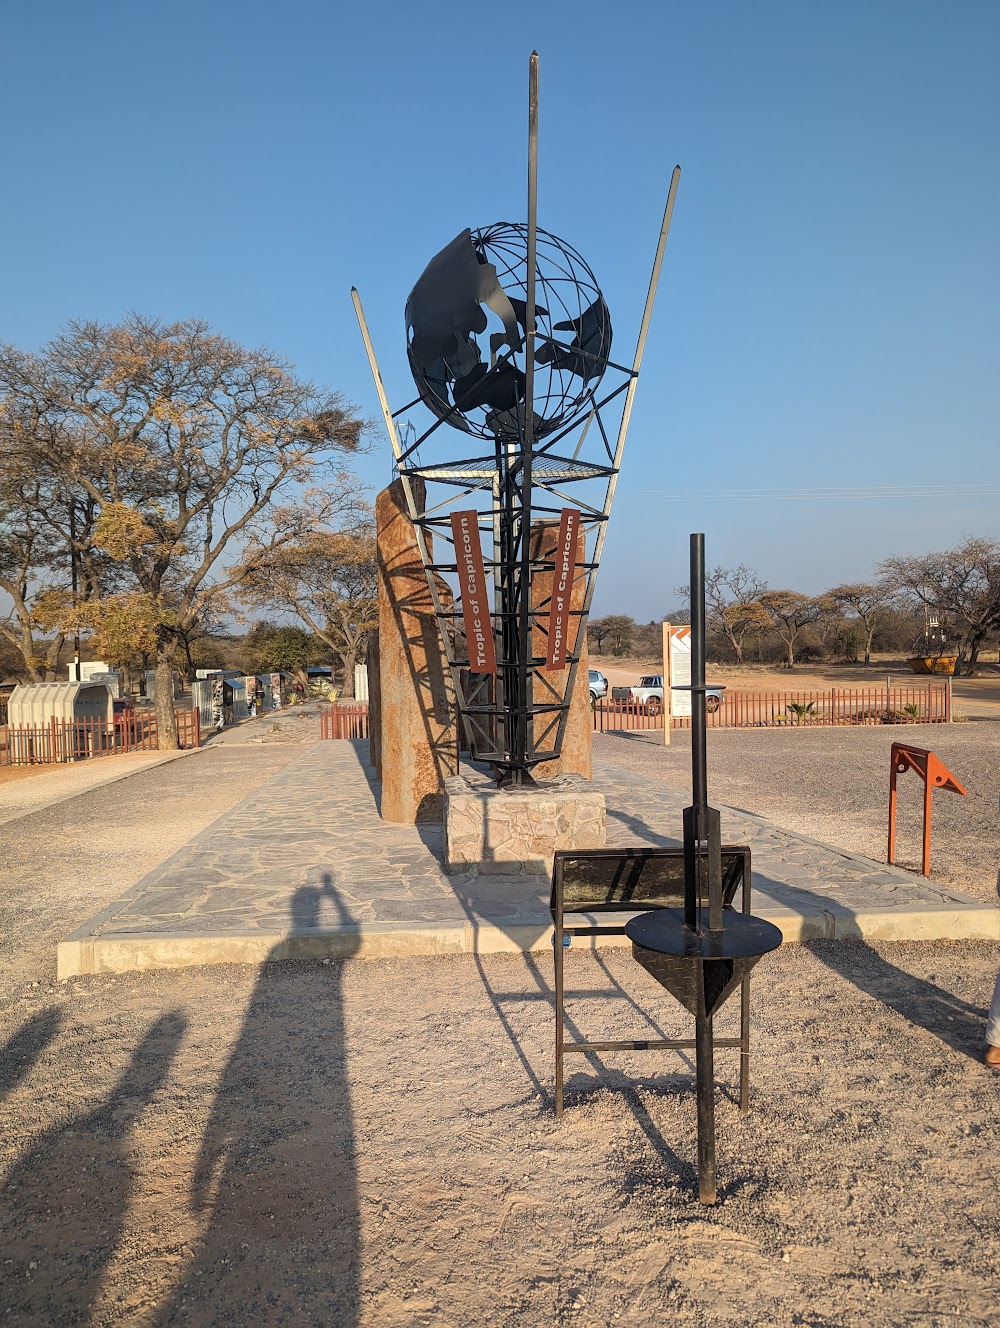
x: 600, y: 881
x: 935, y: 774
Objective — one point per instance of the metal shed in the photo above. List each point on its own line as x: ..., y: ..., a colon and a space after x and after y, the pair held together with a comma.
x: 33, y: 705
x: 59, y: 721
x: 261, y: 684
x: 229, y: 704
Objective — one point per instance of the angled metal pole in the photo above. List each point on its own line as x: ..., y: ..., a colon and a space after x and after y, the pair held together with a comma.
x: 390, y: 423
x: 640, y: 347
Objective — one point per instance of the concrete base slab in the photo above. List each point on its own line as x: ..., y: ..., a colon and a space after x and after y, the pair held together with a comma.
x: 305, y: 869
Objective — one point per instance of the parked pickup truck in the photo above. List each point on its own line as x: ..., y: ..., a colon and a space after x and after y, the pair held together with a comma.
x: 648, y: 693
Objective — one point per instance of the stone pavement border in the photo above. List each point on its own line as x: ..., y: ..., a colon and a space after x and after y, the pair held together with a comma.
x: 304, y: 868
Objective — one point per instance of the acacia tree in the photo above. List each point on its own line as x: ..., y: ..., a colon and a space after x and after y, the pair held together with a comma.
x: 732, y: 604
x: 790, y: 613
x: 28, y: 555
x: 270, y: 646
x: 619, y: 628
x: 962, y: 586
x: 869, y: 602
x: 47, y: 557
x: 189, y: 446
x: 329, y: 579
x: 597, y: 630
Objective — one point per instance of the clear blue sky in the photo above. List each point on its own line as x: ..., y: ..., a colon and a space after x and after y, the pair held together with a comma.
x: 828, y: 314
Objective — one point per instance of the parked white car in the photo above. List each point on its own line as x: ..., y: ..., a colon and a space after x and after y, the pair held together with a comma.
x: 648, y: 693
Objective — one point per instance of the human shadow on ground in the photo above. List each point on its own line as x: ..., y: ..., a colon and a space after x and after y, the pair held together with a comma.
x: 63, y: 1205
x: 25, y: 1047
x: 274, y: 1185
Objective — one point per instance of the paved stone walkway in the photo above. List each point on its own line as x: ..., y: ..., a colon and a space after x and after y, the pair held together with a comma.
x: 306, y: 867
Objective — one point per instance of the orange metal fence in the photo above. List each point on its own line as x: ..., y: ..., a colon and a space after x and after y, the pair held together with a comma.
x: 344, y: 720
x: 79, y: 739
x: 794, y: 709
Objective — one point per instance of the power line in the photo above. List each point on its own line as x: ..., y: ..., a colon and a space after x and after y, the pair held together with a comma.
x: 856, y: 492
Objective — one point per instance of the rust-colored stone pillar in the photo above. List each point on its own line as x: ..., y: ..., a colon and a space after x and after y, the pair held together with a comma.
x: 416, y: 705
x: 576, y: 749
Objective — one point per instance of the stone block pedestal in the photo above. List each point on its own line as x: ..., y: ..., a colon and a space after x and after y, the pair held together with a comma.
x: 514, y: 832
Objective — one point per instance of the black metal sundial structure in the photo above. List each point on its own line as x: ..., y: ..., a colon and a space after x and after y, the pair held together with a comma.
x: 508, y: 339
x: 701, y: 953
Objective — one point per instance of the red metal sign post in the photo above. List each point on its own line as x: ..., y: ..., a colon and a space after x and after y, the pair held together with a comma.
x: 472, y: 588
x: 562, y: 590
x: 935, y: 774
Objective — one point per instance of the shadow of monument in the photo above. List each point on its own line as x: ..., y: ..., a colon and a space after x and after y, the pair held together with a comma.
x: 275, y: 1181
x: 25, y: 1047
x: 63, y: 1205
x: 469, y: 893
x: 922, y: 1003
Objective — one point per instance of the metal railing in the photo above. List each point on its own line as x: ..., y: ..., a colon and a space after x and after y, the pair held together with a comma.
x: 793, y: 709
x: 344, y: 719
x: 60, y: 740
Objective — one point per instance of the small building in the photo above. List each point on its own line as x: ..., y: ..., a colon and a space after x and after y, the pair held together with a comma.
x: 59, y: 721
x: 259, y: 687
x: 220, y: 700
x: 149, y: 684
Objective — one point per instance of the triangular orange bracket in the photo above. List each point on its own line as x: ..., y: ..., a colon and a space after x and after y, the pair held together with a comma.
x: 935, y: 774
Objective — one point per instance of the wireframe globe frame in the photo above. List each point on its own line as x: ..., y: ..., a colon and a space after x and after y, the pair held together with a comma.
x: 568, y: 366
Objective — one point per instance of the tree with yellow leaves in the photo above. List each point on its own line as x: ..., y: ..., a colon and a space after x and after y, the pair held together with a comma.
x: 328, y: 579
x: 190, y: 449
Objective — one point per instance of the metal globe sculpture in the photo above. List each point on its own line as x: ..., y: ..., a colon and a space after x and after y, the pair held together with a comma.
x: 465, y: 333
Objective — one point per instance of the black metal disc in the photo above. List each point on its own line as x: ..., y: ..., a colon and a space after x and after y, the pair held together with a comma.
x: 700, y: 969
x: 663, y: 930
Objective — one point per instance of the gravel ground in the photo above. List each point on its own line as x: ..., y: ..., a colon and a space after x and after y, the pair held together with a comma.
x: 372, y: 1143
x: 833, y: 784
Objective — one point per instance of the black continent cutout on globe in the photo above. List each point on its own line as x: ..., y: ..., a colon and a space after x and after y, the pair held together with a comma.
x: 445, y: 314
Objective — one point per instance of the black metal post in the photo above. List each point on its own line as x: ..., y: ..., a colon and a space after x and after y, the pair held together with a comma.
x: 524, y: 743
x: 705, y: 1086
x: 699, y: 765
x: 703, y: 859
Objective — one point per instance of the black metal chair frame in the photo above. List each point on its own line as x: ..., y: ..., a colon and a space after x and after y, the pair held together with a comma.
x: 627, y: 881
